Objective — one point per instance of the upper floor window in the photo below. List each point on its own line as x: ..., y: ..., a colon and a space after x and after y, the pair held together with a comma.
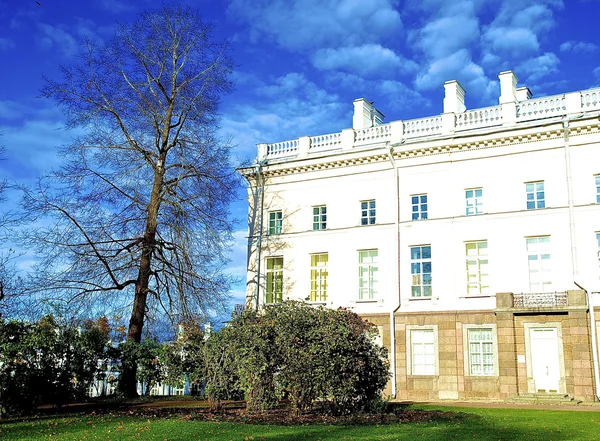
x: 598, y: 241
x: 318, y: 277
x: 474, y: 198
x: 275, y: 222
x: 367, y: 274
x: 419, y: 206
x: 597, y: 177
x: 477, y: 268
x: 538, y: 260
x: 420, y: 269
x: 535, y: 195
x: 274, y: 280
x: 367, y: 212
x: 319, y: 217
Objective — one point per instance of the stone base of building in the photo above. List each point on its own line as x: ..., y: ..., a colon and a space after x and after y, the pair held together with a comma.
x: 518, y: 349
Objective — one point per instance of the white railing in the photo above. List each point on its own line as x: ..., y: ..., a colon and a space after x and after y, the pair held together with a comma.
x: 474, y: 119
x: 423, y: 127
x: 590, y: 99
x: 325, y: 142
x: 541, y: 108
x: 282, y: 148
x: 373, y: 135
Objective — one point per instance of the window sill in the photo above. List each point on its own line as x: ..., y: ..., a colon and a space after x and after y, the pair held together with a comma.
x: 317, y: 303
x: 366, y: 300
x: 477, y: 296
x: 416, y: 299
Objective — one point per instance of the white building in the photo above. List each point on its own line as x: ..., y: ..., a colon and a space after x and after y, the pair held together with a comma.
x: 473, y: 235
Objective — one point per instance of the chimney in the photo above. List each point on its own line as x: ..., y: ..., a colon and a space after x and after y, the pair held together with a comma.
x: 508, y: 87
x: 523, y: 94
x: 454, y: 99
x: 365, y: 115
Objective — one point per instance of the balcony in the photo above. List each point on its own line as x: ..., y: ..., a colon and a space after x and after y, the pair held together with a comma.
x: 541, y: 301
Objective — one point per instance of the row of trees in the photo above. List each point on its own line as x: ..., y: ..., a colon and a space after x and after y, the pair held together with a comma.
x: 292, y: 351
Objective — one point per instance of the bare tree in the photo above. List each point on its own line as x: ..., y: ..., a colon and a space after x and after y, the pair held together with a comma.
x: 140, y: 204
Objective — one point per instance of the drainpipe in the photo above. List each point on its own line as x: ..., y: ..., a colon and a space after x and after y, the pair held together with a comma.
x: 590, y: 306
x: 258, y: 200
x: 574, y: 266
x: 397, y: 269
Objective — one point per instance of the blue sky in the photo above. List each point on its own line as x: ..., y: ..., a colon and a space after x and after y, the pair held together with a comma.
x: 301, y: 63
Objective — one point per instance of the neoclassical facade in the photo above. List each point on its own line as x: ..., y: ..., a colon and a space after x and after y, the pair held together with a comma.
x: 470, y: 238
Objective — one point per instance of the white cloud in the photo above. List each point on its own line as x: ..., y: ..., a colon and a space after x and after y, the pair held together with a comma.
x: 310, y: 24
x: 53, y: 37
x: 536, y: 68
x: 578, y: 47
x: 367, y: 60
x: 6, y: 44
x: 509, y: 42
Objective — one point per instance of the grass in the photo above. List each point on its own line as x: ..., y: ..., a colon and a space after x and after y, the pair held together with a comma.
x: 462, y: 424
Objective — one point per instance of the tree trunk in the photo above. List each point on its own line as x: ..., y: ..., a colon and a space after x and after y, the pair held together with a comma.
x: 136, y: 322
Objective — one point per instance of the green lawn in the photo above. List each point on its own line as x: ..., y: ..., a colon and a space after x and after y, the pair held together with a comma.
x: 471, y: 424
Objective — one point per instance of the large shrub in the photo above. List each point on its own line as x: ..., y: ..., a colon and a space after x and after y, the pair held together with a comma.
x: 293, y: 350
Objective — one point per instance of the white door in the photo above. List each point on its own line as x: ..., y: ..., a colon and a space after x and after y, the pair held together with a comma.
x: 544, y: 359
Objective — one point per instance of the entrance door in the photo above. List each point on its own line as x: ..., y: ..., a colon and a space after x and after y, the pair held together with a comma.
x: 544, y: 359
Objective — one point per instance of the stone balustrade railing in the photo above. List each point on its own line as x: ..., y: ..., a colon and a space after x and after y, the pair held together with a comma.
x: 445, y: 124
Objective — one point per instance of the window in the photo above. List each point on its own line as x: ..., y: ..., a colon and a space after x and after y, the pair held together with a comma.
x: 318, y: 277
x: 419, y: 206
x: 420, y: 269
x: 275, y: 222
x: 320, y: 217
x: 367, y: 212
x: 598, y: 240
x: 477, y: 268
x: 474, y: 199
x: 535, y: 195
x: 274, y: 279
x: 422, y: 345
x: 538, y: 256
x: 481, y: 351
x: 597, y: 177
x: 367, y: 274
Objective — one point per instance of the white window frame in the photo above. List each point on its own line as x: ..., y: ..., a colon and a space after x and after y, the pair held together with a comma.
x: 474, y: 201
x: 536, y: 195
x: 597, y: 181
x: 598, y: 246
x: 277, y: 294
x: 467, y: 349
x: 368, y: 264
x: 412, y: 368
x: 318, y: 277
x: 319, y: 217
x: 368, y: 212
x: 419, y: 206
x: 419, y: 279
x: 539, y: 263
x: 275, y: 222
x: 477, y: 268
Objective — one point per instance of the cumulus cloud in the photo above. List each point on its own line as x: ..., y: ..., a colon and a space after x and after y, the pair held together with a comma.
x: 578, y: 47
x: 536, y: 68
x: 310, y: 24
x: 367, y: 60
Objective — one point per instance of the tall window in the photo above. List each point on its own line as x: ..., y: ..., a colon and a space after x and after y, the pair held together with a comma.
x: 538, y: 256
x: 367, y: 274
x: 474, y: 198
x: 422, y: 351
x: 367, y: 212
x: 274, y: 280
x: 275, y: 222
x: 598, y: 241
x: 535, y: 195
x: 419, y: 206
x: 420, y: 268
x: 319, y: 217
x: 318, y: 277
x: 481, y: 352
x: 597, y: 177
x: 477, y: 268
